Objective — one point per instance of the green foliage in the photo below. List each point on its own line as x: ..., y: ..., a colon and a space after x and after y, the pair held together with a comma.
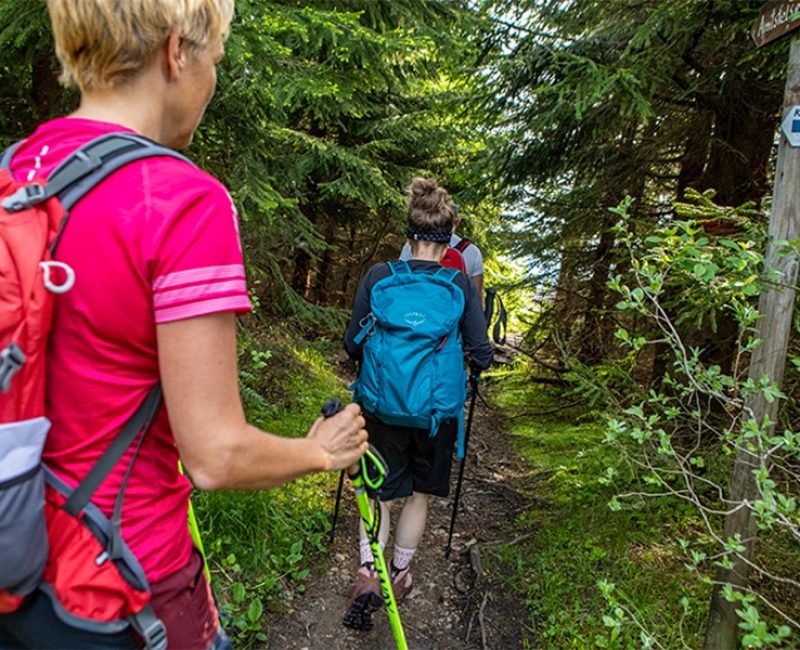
x: 698, y: 277
x: 589, y: 572
x: 29, y: 92
x: 598, y: 99
x: 683, y: 433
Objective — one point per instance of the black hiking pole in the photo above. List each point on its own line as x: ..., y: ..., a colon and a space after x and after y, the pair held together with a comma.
x: 473, y: 382
x: 335, y: 515
x: 331, y: 408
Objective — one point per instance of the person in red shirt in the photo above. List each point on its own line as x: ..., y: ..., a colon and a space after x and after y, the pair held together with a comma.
x: 159, y: 282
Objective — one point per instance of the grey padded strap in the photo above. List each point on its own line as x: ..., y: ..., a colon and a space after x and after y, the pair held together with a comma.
x: 140, y: 421
x: 98, y: 159
x: 5, y: 159
x: 86, y: 167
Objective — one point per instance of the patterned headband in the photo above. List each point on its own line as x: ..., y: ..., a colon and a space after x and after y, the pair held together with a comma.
x: 438, y: 236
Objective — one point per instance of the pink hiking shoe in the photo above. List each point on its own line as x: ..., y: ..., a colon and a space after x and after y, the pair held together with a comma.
x: 402, y: 582
x: 365, y: 600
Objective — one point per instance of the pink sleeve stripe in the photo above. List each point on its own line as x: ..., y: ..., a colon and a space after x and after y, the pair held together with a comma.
x: 238, y: 304
x: 203, y: 274
x: 166, y: 297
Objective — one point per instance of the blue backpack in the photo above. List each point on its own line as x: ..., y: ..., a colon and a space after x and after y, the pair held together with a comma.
x: 412, y: 372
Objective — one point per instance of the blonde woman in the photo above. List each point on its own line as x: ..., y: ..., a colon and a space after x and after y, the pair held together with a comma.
x: 159, y: 283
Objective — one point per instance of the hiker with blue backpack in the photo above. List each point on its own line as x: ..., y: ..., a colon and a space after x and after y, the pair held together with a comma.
x: 411, y: 325
x: 121, y: 278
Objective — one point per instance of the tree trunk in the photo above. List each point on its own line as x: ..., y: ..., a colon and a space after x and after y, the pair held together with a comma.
x: 593, y: 337
x: 775, y: 305
x: 45, y: 89
x: 301, y: 274
x: 323, y: 282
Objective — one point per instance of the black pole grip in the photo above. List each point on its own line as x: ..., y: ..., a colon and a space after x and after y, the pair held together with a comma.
x: 331, y: 407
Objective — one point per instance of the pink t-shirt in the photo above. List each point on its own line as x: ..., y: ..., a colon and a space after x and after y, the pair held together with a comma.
x: 157, y: 241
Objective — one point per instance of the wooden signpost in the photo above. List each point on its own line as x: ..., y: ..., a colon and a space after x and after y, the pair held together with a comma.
x: 778, y: 18
x: 776, y: 306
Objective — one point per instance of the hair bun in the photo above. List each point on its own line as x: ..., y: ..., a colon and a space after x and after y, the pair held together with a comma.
x: 422, y: 187
x: 429, y: 206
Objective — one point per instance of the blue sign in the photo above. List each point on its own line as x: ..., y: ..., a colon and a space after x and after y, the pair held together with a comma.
x: 791, y: 126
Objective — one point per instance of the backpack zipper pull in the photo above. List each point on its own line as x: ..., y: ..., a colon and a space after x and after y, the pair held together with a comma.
x: 366, y: 328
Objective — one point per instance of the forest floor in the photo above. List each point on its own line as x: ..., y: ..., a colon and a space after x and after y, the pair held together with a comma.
x: 456, y: 603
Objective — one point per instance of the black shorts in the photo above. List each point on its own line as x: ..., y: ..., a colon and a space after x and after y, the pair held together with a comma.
x: 417, y: 462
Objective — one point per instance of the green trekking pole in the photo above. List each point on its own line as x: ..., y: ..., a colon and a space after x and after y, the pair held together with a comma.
x: 194, y: 532
x: 362, y: 479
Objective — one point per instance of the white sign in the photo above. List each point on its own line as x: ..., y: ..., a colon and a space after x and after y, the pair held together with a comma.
x: 791, y: 126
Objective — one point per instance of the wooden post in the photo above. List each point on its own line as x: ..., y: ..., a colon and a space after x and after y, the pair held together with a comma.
x: 775, y: 305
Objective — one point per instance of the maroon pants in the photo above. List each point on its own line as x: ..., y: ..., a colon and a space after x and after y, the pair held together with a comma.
x: 183, y: 601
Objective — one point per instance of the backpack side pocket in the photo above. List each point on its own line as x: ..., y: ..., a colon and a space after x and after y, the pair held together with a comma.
x: 23, y: 533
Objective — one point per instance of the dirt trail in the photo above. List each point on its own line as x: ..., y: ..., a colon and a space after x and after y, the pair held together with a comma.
x: 455, y: 604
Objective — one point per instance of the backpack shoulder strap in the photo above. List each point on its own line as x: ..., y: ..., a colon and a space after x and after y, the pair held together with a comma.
x: 462, y: 245
x: 86, y: 167
x: 447, y: 273
x: 101, y: 157
x: 5, y: 159
x: 399, y: 267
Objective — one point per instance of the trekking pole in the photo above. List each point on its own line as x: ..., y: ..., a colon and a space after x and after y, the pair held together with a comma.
x: 335, y: 515
x: 330, y: 408
x: 473, y: 381
x: 327, y: 411
x: 194, y: 532
x: 360, y: 476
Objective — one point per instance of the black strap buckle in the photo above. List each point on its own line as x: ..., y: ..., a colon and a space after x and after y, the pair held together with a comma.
x: 11, y: 360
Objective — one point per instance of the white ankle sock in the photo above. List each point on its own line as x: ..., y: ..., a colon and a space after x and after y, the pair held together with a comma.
x: 402, y: 557
x: 366, y: 552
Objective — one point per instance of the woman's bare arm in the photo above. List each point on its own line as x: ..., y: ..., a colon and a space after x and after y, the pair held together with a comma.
x: 218, y: 448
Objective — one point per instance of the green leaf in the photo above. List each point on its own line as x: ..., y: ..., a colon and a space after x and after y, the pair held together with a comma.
x: 255, y: 611
x: 238, y: 592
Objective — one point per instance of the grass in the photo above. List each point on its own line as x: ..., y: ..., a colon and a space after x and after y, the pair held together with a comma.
x: 262, y: 546
x: 587, y: 572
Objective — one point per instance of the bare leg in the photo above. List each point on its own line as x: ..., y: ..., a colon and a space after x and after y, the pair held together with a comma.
x: 413, y: 518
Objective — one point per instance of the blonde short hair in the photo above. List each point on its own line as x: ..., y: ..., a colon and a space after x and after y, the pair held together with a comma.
x: 101, y: 43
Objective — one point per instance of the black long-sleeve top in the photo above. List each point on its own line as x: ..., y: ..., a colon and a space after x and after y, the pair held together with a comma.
x: 472, y: 324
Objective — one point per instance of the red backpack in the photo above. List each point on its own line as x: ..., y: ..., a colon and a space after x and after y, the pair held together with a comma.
x: 453, y: 259
x: 52, y: 537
